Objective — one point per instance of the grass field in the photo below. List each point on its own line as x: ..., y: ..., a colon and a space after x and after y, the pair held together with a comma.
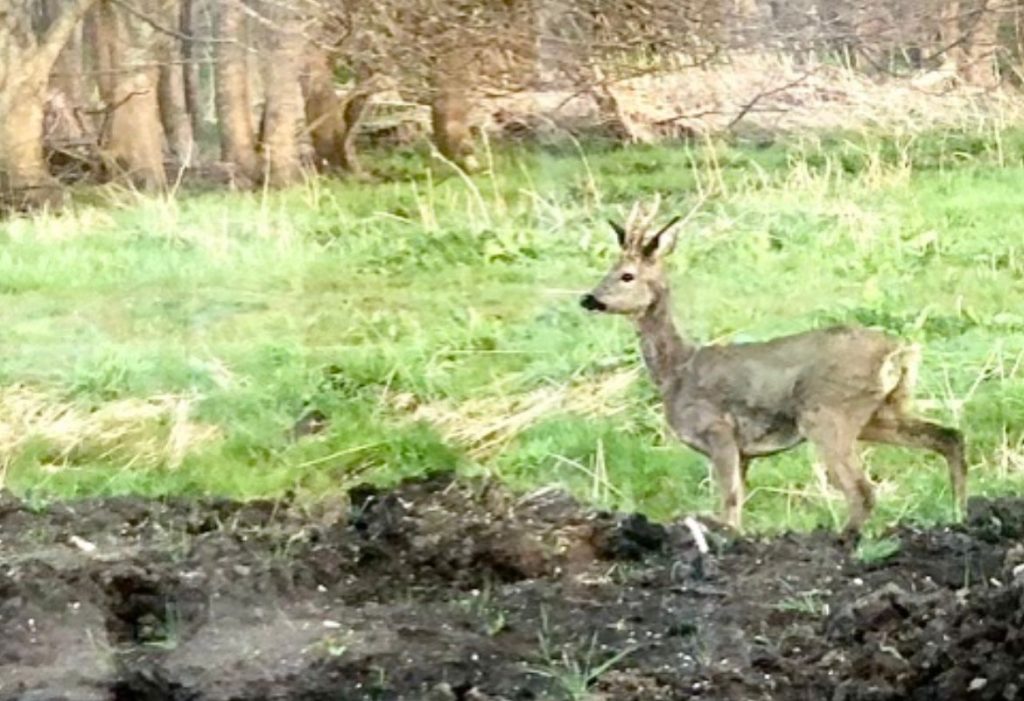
x: 169, y: 345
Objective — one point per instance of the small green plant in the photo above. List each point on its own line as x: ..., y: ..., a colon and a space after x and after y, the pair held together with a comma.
x: 809, y: 603
x: 573, y: 674
x: 871, y: 550
x: 330, y: 646
x: 481, y: 605
x: 379, y: 684
x: 162, y: 634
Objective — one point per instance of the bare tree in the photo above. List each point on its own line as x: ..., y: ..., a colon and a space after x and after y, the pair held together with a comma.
x: 128, y: 79
x: 949, y: 44
x: 333, y: 120
x: 190, y: 76
x: 26, y: 60
x: 451, y: 107
x: 442, y: 54
x: 981, y: 47
x: 281, y: 55
x: 68, y: 74
x: 234, y: 103
x: 288, y: 55
x: 450, y: 54
x: 174, y: 111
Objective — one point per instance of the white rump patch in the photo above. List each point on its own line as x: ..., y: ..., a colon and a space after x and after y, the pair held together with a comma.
x: 898, y: 373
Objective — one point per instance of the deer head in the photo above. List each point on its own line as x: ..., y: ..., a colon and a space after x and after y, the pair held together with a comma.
x: 637, y: 279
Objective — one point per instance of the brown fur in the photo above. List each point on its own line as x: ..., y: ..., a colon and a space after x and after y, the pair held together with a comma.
x: 733, y: 403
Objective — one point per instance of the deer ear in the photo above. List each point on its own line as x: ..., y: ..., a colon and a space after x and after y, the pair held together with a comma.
x: 663, y: 242
x: 620, y: 233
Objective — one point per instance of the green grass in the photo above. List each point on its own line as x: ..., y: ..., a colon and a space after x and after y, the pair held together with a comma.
x: 364, y: 300
x: 871, y: 551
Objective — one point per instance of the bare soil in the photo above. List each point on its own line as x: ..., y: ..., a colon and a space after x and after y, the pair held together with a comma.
x: 447, y: 590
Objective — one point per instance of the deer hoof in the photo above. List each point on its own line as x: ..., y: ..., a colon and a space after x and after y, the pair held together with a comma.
x: 849, y: 537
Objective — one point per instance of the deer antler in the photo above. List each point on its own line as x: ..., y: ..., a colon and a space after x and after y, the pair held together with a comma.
x: 677, y: 220
x: 630, y: 223
x: 641, y: 218
x: 652, y: 213
x: 639, y: 221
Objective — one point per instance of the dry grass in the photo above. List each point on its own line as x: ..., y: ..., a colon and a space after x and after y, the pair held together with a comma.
x: 484, y: 426
x: 152, y: 432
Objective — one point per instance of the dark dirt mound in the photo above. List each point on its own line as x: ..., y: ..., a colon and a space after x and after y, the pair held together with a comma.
x: 444, y: 590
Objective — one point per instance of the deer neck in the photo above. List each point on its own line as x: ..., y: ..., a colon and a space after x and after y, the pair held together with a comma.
x: 664, y: 349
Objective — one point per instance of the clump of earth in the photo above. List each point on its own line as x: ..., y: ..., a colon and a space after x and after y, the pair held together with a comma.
x: 441, y: 589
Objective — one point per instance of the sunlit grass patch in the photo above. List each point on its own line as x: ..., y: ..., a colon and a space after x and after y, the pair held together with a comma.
x: 141, y: 433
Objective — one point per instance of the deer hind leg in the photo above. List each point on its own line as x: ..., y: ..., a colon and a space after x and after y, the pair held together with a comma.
x: 834, y: 434
x: 917, y: 433
x: 728, y: 466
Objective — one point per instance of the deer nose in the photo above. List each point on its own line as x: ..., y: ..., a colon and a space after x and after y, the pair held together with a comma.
x: 592, y: 303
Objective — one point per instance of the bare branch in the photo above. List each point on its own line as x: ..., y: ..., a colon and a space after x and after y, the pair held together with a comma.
x: 760, y: 96
x: 163, y: 29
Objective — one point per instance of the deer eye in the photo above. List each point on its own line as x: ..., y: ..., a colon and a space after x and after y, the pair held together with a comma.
x: 627, y: 277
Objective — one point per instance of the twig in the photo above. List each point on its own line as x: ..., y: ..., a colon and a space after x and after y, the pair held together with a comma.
x: 767, y: 93
x: 697, y: 531
x: 165, y: 29
x: 107, y: 109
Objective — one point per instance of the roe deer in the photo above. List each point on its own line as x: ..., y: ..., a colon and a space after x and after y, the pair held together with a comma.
x: 736, y: 402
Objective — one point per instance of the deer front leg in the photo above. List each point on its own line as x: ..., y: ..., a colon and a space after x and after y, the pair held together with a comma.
x: 725, y: 458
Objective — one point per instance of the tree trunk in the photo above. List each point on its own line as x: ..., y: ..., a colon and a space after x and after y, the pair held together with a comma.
x: 174, y: 113
x: 25, y: 180
x: 234, y: 110
x: 837, y: 29
x: 356, y: 103
x: 325, y: 110
x: 745, y: 24
x: 25, y: 65
x: 133, y: 138
x: 171, y: 87
x: 190, y: 69
x: 66, y: 129
x: 950, y: 46
x: 281, y: 65
x: 451, y: 108
x: 333, y: 121
x: 68, y: 73
x: 980, y: 53
x: 449, y: 118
